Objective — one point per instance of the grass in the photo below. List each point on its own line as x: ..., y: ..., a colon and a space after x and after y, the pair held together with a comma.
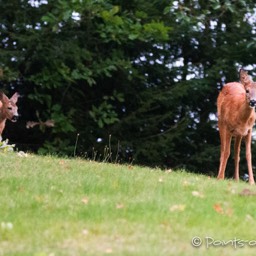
x: 54, y: 206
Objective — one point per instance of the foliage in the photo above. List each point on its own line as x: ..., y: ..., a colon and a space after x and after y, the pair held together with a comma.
x: 5, y: 147
x: 145, y: 72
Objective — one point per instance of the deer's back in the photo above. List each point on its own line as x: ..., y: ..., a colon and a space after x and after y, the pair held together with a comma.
x: 234, y: 112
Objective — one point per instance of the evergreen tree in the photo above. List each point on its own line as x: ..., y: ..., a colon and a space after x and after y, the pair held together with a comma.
x: 138, y: 79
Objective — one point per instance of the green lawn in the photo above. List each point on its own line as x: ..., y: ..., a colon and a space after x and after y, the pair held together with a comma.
x: 54, y: 206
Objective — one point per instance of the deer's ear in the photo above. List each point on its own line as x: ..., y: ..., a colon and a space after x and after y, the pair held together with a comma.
x: 244, y: 77
x: 15, y: 97
x: 2, y: 98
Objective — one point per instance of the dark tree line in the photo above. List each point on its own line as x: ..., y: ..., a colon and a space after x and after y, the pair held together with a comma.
x: 137, y: 80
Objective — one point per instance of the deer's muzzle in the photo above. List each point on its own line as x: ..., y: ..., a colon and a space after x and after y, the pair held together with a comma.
x: 14, y: 118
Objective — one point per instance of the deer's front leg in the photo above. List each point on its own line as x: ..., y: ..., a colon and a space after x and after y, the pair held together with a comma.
x: 238, y: 140
x: 248, y: 140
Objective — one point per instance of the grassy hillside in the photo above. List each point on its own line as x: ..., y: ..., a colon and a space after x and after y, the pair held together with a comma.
x: 53, y: 206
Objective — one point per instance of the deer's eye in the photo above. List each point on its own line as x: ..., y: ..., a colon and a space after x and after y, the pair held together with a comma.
x: 247, y: 91
x: 9, y: 108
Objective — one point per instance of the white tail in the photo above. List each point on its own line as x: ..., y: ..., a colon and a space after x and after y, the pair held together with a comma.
x: 236, y: 117
x: 8, y: 109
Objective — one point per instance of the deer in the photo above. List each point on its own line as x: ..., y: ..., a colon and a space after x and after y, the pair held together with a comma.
x: 8, y: 110
x: 236, y: 116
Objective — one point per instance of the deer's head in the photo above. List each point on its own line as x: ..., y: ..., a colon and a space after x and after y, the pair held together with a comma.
x: 8, y: 107
x: 249, y: 86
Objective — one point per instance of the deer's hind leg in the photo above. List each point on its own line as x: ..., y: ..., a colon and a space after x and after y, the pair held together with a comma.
x: 225, y: 139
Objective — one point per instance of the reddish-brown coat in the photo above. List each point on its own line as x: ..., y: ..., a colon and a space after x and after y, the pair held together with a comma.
x: 8, y: 109
x: 234, y: 111
x: 235, y: 119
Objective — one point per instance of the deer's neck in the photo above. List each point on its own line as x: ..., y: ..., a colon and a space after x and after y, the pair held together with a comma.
x: 2, y: 125
x: 246, y: 111
x: 2, y: 116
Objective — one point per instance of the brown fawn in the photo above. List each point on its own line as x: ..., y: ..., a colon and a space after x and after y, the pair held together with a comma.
x: 236, y: 116
x: 8, y: 110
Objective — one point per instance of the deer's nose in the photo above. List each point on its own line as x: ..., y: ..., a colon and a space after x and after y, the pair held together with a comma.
x: 252, y: 103
x: 15, y: 118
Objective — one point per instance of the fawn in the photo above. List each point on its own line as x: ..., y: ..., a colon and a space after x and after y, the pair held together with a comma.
x: 236, y: 116
x: 8, y: 110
